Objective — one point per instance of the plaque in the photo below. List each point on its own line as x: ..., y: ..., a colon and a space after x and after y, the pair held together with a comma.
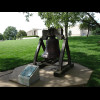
x: 29, y: 75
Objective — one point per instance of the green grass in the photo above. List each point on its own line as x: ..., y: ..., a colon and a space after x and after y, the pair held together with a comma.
x: 85, y: 51
x: 14, y: 53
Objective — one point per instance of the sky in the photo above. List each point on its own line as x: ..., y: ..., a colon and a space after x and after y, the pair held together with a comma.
x: 97, y: 17
x: 18, y: 20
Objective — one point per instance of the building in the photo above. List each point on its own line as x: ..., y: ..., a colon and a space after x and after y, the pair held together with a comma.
x: 35, y: 32
x: 75, y: 31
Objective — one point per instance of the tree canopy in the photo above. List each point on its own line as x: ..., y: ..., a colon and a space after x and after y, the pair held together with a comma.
x: 60, y: 19
x: 65, y: 19
x: 10, y: 33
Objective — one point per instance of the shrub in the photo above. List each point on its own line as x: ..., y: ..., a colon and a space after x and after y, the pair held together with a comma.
x: 21, y: 34
x: 96, y: 31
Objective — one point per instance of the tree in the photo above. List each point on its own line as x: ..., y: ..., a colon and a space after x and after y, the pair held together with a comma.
x: 87, y: 23
x: 21, y: 33
x: 10, y: 33
x: 92, y: 18
x: 81, y: 14
x: 96, y: 31
x: 1, y: 37
x: 28, y: 14
x: 60, y: 19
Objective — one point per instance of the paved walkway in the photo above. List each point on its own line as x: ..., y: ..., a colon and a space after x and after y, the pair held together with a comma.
x: 30, y: 38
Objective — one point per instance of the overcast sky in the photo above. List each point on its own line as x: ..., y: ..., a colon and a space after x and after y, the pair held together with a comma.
x: 18, y: 20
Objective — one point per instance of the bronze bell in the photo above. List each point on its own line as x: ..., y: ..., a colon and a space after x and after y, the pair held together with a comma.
x: 52, y: 49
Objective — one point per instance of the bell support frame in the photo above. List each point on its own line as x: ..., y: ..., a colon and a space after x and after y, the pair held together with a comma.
x: 61, y: 69
x: 41, y: 43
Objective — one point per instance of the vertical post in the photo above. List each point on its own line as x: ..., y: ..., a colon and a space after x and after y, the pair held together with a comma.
x: 68, y: 52
x: 42, y: 43
x: 62, y: 55
x: 64, y: 46
x: 37, y: 51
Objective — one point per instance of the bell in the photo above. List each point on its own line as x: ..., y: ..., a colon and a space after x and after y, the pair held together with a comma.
x: 52, y: 50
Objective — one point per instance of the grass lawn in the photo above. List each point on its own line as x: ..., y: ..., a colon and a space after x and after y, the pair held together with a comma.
x: 85, y: 51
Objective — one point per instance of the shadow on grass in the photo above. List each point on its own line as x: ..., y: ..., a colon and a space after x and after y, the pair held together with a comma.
x: 11, y: 63
x: 88, y: 47
x: 95, y: 49
x: 86, y: 40
x: 90, y: 61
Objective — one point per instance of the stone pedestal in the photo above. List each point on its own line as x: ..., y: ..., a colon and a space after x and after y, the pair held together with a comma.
x: 78, y: 75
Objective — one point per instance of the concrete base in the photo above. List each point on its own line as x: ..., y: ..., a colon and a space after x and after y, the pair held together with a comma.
x: 78, y: 75
x: 4, y: 80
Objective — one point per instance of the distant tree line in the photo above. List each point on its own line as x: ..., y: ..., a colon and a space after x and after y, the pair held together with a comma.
x: 11, y: 33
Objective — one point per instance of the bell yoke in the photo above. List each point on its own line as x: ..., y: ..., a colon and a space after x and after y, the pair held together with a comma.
x: 52, y: 52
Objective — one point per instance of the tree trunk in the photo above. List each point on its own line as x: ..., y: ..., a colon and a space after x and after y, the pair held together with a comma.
x: 88, y: 30
x: 66, y: 31
x: 66, y: 26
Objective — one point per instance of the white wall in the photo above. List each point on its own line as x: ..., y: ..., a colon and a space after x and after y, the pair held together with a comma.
x: 29, y: 33
x: 84, y: 32
x: 75, y: 30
